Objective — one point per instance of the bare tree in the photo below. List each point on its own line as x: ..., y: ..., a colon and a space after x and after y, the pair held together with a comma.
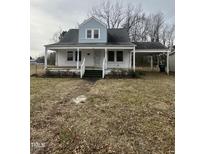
x: 55, y: 37
x: 171, y: 35
x: 156, y: 22
x: 111, y: 14
x: 58, y: 35
x: 164, y: 34
x: 140, y: 29
x: 133, y: 18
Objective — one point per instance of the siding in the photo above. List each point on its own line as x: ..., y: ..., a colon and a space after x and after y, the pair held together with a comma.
x: 93, y: 59
x: 92, y: 24
x: 62, y: 59
x: 172, y: 62
x: 124, y: 64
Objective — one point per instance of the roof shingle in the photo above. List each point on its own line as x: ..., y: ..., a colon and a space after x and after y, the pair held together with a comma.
x: 149, y: 45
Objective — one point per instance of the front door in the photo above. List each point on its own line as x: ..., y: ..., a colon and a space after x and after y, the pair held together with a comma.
x: 89, y: 57
x: 98, y: 58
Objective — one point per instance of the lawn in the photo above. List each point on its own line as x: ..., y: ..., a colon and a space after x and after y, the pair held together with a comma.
x: 119, y: 115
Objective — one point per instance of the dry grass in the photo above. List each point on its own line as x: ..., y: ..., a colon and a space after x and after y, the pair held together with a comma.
x: 119, y: 116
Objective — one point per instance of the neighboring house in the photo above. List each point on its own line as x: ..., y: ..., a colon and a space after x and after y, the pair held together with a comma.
x: 94, y: 47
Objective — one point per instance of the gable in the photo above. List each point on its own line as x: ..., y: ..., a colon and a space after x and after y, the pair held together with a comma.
x: 92, y: 24
x: 93, y: 20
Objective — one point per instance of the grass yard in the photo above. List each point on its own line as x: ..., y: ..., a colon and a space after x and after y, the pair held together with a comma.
x: 119, y: 115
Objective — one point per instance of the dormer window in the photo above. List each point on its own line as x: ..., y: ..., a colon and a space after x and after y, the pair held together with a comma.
x: 96, y: 33
x: 92, y: 33
x: 89, y: 33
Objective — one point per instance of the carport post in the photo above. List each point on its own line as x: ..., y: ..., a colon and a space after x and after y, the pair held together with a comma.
x: 45, y: 58
x: 77, y: 58
x: 134, y: 59
x: 130, y: 60
x: 168, y: 63
x: 151, y: 62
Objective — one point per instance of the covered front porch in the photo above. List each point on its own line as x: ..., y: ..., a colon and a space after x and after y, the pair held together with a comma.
x: 80, y: 59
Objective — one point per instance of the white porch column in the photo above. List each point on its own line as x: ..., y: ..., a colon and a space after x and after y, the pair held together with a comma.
x: 45, y: 58
x: 56, y: 58
x: 151, y: 62
x: 77, y: 58
x: 134, y: 59
x: 168, y: 62
x: 106, y: 58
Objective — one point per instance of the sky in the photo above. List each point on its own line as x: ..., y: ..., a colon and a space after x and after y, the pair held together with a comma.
x: 48, y: 16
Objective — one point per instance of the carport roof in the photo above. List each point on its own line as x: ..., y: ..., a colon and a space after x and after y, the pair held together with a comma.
x: 149, y: 45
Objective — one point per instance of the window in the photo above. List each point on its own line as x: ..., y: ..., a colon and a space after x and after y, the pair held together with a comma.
x: 76, y: 55
x: 89, y: 33
x: 111, y: 55
x: 70, y: 55
x: 119, y: 56
x: 96, y: 33
x: 93, y: 33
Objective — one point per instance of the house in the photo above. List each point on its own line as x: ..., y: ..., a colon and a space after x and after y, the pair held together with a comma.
x: 94, y: 47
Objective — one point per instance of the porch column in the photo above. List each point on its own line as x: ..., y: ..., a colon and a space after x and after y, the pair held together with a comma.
x: 151, y: 62
x: 77, y: 58
x: 168, y: 62
x: 56, y: 58
x: 105, y: 58
x: 134, y: 59
x: 45, y: 58
x: 157, y: 62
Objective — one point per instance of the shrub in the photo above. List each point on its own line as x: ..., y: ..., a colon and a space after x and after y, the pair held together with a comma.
x: 125, y: 73
x: 133, y: 74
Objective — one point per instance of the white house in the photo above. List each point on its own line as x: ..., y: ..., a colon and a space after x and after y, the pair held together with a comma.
x: 95, y: 47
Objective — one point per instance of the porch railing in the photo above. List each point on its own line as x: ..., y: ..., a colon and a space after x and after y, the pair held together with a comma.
x: 104, y: 67
x: 82, y: 68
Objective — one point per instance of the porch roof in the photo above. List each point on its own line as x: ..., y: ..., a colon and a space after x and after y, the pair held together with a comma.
x: 76, y: 45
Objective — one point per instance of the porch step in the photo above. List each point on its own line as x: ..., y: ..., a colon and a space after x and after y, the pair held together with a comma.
x: 93, y: 73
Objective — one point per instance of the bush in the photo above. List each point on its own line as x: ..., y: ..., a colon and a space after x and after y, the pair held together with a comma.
x: 125, y: 73
x: 133, y: 74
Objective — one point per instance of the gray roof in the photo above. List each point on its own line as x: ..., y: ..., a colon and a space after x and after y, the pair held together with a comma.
x: 149, y: 45
x: 116, y: 37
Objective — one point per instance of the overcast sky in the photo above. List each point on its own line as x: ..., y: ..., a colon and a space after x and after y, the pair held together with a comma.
x: 48, y: 16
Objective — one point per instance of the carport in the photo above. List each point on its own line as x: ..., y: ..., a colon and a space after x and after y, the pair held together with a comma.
x: 151, y: 49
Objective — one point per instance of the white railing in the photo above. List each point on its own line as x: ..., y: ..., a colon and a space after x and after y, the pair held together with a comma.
x: 82, y: 68
x: 104, y: 67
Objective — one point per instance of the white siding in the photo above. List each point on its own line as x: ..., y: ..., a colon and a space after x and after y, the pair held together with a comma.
x: 172, y: 62
x: 62, y: 59
x: 91, y: 59
x: 124, y: 64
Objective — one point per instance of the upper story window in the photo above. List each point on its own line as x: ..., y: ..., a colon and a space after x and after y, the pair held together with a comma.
x: 96, y: 33
x: 92, y: 33
x: 89, y: 33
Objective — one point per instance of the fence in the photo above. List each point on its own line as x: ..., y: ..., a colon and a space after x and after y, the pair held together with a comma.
x: 37, y: 68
